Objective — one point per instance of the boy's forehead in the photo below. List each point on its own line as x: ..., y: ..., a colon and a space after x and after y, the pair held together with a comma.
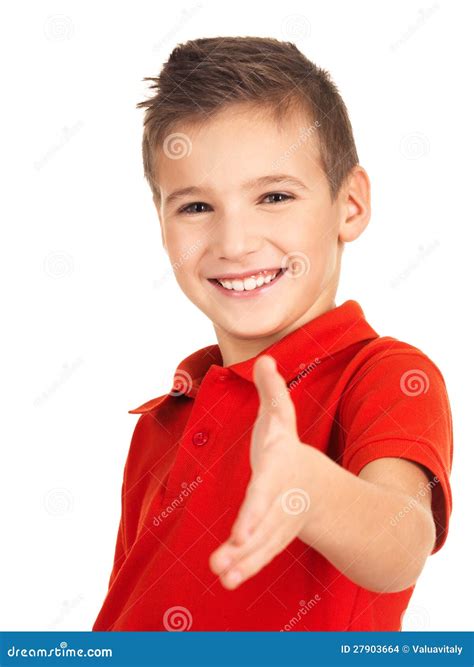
x: 235, y: 144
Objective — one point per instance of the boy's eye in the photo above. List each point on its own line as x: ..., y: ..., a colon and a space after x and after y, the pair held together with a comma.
x: 188, y: 208
x: 200, y: 207
x: 279, y: 196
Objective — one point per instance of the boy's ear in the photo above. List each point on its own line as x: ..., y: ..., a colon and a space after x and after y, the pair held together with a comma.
x: 355, y: 204
x: 158, y: 210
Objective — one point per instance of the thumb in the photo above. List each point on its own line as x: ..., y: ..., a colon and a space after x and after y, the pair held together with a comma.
x: 273, y: 393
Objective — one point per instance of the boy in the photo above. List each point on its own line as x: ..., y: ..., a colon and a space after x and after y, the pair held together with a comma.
x: 296, y: 476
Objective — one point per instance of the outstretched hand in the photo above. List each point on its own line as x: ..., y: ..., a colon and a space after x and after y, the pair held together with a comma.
x: 277, y: 499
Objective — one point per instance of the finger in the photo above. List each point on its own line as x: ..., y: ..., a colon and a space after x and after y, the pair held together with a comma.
x: 257, y: 559
x: 275, y: 520
x: 230, y: 553
x: 252, y: 511
x: 273, y: 393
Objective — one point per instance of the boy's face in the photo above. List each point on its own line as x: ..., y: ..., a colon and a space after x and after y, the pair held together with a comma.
x: 232, y: 223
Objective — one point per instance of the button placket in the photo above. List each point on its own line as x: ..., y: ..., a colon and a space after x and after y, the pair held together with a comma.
x: 199, y: 431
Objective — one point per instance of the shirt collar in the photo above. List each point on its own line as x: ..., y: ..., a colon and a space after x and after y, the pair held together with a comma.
x: 321, y: 337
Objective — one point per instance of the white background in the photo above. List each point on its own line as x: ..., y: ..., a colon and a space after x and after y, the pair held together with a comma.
x: 93, y: 324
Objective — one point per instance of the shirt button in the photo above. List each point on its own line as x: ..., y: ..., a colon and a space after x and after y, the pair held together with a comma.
x: 200, y: 438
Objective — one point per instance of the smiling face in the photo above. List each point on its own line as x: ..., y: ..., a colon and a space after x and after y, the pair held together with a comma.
x: 248, y: 195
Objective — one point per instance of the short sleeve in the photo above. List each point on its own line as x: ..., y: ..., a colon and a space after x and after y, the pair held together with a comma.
x: 397, y: 406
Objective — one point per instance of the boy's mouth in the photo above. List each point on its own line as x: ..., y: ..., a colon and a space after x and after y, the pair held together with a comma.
x: 256, y: 283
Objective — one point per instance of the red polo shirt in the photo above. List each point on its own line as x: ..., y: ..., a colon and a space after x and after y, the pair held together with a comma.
x: 358, y: 397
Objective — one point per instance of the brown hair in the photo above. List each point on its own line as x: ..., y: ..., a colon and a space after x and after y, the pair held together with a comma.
x: 203, y: 76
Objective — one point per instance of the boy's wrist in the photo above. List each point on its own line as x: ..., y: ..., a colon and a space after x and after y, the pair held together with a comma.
x: 319, y: 473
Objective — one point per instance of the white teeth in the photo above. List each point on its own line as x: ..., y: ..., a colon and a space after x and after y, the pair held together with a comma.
x: 248, y: 284
x: 238, y: 285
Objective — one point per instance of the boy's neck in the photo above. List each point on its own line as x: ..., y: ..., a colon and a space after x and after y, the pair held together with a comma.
x: 235, y: 349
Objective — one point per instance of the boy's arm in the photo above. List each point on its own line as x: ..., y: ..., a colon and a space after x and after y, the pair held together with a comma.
x: 376, y: 528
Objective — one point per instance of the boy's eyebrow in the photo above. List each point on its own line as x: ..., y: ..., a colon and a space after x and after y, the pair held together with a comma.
x: 248, y: 185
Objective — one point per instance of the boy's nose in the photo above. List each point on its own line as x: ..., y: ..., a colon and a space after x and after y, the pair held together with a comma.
x: 232, y: 238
